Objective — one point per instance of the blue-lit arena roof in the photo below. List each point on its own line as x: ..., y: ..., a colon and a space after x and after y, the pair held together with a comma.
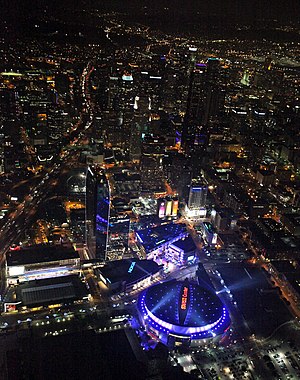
x: 152, y: 238
x: 184, y: 310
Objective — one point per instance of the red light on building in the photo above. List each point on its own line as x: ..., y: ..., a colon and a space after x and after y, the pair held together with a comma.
x: 184, y: 298
x: 15, y: 248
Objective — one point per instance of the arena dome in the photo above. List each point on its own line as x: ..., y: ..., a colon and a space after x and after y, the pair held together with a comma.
x: 183, y: 309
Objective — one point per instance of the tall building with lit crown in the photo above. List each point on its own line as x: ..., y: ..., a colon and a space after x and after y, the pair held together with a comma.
x: 140, y: 125
x: 97, y: 213
x: 198, y: 194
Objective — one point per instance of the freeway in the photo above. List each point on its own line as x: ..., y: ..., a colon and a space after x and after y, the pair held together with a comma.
x: 21, y: 218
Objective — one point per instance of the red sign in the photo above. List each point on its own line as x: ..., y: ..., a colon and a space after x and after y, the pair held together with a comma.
x: 184, y: 298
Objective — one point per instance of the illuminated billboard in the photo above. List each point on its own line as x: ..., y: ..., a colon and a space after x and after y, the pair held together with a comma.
x: 162, y: 209
x: 184, y: 298
x: 16, y: 270
x: 214, y: 238
x: 169, y: 208
x: 175, y: 208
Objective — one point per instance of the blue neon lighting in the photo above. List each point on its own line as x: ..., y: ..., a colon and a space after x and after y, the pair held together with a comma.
x: 132, y: 265
x: 138, y: 236
x: 193, y: 327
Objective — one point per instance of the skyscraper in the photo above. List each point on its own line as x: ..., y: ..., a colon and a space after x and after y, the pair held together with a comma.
x: 215, y: 91
x: 152, y: 176
x: 140, y: 125
x: 213, y: 70
x: 206, y: 98
x: 196, y: 95
x: 214, y: 104
x: 97, y: 212
x: 195, y: 107
x: 198, y: 194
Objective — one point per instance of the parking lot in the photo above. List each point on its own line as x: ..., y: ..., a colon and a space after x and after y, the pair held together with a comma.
x: 259, y: 302
x: 283, y: 359
x: 217, y: 363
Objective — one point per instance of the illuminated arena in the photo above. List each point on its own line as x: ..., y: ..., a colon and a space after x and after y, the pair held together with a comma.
x: 181, y: 311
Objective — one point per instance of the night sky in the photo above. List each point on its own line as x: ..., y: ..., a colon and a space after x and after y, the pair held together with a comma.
x: 237, y: 11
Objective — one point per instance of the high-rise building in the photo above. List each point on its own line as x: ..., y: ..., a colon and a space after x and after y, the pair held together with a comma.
x: 198, y: 194
x: 140, y: 125
x: 179, y: 172
x: 97, y: 212
x: 195, y: 106
x: 118, y: 234
x: 215, y: 91
x: 196, y: 95
x: 206, y: 99
x: 112, y: 91
x: 214, y: 103
x: 135, y: 141
x: 152, y: 176
x: 192, y: 56
x: 213, y: 70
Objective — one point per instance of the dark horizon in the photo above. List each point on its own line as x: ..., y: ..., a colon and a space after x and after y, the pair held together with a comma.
x: 229, y: 11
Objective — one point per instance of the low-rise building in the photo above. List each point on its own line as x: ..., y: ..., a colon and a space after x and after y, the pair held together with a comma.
x: 40, y: 261
x: 182, y: 251
x: 129, y: 274
x: 45, y: 292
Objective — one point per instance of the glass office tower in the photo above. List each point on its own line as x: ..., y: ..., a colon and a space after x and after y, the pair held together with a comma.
x: 97, y: 212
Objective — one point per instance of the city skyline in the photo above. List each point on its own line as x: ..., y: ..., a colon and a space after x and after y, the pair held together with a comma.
x: 150, y: 190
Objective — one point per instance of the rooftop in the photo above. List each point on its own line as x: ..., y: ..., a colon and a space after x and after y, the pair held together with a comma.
x: 40, y: 254
x: 47, y: 291
x: 186, y: 244
x: 184, y: 309
x: 164, y: 300
x: 129, y: 270
x: 152, y: 238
